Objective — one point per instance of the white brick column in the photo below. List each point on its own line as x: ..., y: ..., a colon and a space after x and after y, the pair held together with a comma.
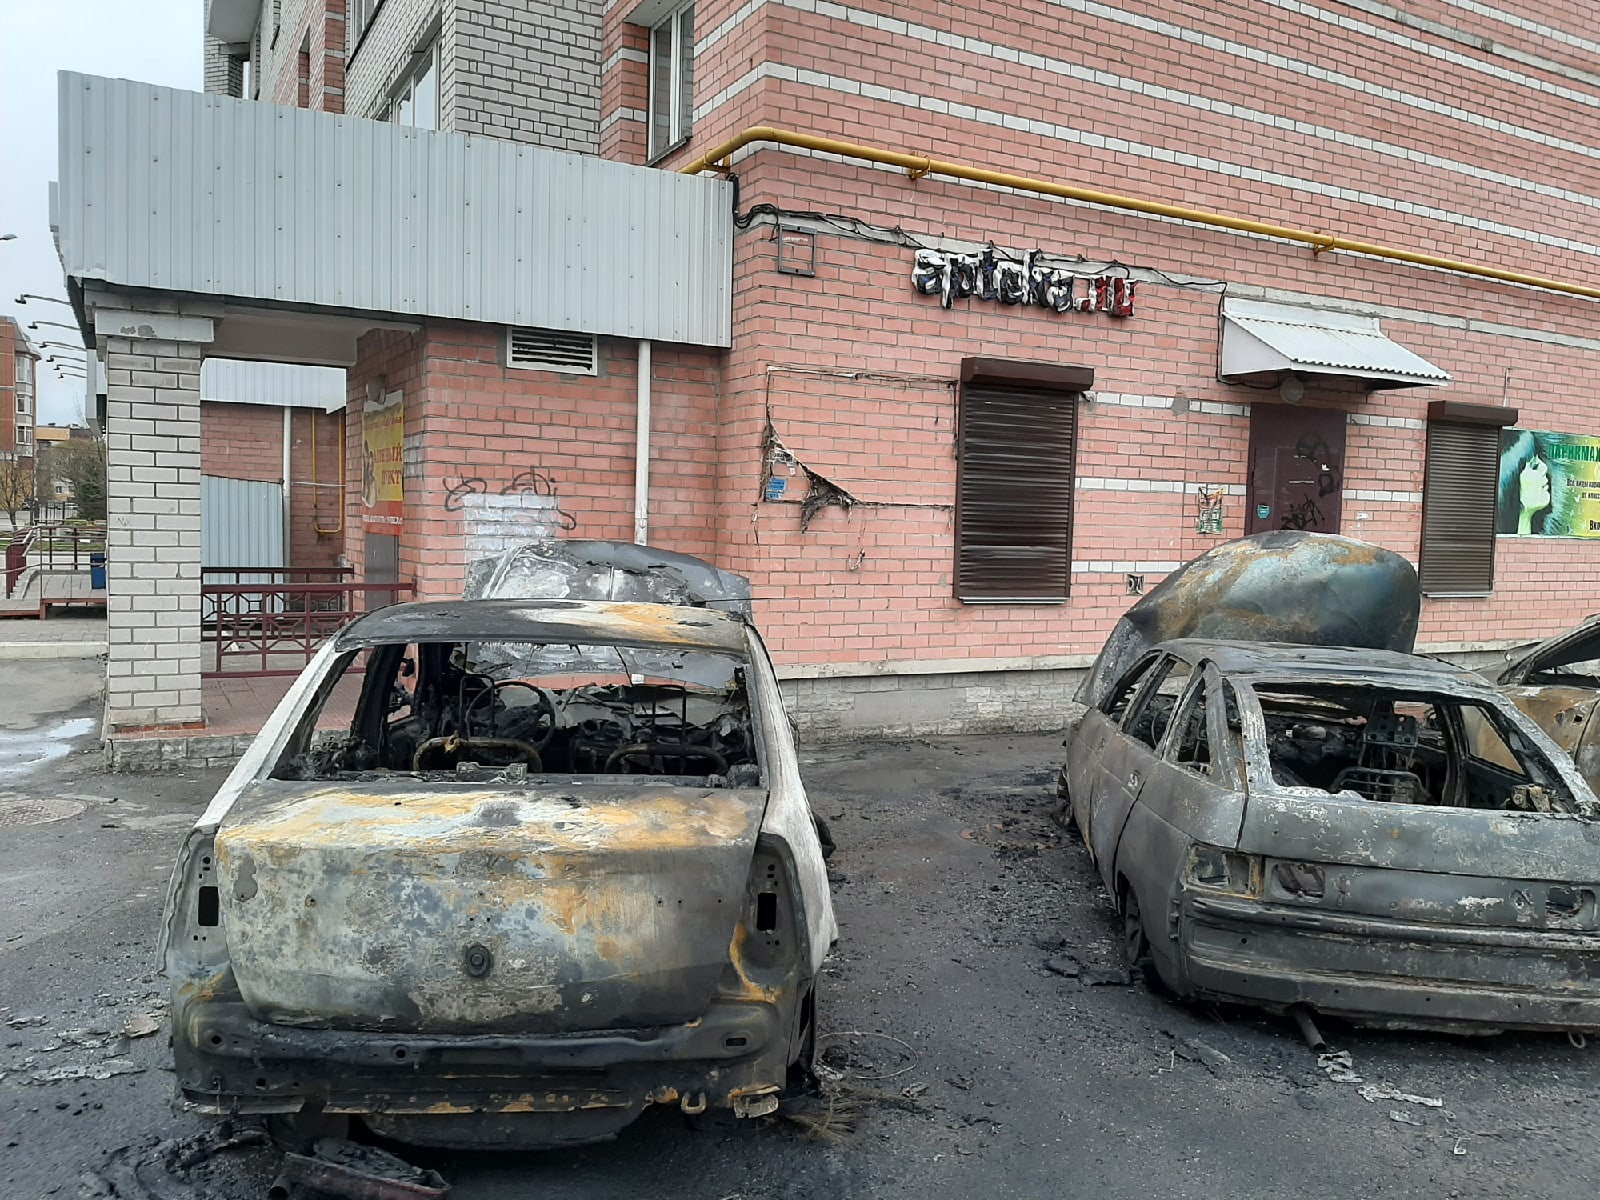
x: 153, y: 532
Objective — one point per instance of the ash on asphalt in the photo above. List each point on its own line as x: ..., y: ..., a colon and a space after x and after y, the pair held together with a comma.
x: 981, y: 1031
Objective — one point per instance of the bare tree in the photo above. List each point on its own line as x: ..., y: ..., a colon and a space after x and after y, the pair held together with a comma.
x: 16, y: 487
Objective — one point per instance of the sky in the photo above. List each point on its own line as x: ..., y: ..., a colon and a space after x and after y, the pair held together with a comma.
x: 153, y: 41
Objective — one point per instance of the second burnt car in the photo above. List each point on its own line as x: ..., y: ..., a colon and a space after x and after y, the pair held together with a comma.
x: 503, y: 872
x: 1339, y: 826
x: 1326, y: 827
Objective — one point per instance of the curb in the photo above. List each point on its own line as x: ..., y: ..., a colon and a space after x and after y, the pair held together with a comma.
x: 16, y: 651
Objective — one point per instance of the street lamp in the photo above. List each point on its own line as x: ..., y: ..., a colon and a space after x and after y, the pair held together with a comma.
x: 26, y: 296
x: 57, y: 325
x: 63, y: 345
x: 8, y: 237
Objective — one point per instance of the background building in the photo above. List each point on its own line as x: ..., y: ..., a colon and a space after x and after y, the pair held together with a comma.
x: 982, y: 379
x: 18, y: 362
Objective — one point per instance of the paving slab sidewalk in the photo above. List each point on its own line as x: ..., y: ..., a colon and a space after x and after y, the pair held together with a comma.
x: 67, y: 634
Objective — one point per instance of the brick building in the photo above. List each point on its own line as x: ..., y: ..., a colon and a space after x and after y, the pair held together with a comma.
x: 18, y: 412
x: 1028, y: 308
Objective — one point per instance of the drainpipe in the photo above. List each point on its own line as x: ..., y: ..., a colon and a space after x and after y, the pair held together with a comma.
x: 288, y: 523
x: 641, y: 461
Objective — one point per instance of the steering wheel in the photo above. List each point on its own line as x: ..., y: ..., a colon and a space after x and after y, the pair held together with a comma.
x: 457, y: 746
x: 655, y: 755
x: 544, y: 710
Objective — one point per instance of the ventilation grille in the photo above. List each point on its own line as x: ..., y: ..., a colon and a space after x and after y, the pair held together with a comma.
x: 550, y: 350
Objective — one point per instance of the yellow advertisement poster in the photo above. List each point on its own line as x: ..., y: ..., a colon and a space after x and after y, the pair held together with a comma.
x: 383, y: 427
x: 1549, y: 484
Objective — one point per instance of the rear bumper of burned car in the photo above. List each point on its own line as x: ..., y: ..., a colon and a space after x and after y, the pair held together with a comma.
x: 1381, y: 971
x: 736, y: 1055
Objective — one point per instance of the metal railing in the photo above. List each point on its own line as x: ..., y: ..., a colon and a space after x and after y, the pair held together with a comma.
x: 259, y: 630
x: 53, y: 548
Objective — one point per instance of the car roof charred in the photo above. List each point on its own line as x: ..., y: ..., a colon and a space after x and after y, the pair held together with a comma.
x: 561, y: 621
x: 1284, y: 662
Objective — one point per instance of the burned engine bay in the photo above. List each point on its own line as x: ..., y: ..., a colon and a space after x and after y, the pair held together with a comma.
x: 502, y: 712
x: 1405, y: 748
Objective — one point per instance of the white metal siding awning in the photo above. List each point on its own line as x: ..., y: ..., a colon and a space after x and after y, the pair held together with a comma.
x: 175, y: 191
x: 1261, y: 343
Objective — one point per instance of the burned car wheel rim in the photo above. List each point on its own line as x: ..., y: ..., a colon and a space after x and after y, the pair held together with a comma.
x: 1135, y: 944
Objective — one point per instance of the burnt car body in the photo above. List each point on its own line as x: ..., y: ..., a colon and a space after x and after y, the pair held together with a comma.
x: 1557, y: 684
x: 1287, y: 826
x: 557, y: 866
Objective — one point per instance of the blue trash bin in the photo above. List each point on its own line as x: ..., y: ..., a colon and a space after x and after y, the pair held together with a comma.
x: 97, y: 572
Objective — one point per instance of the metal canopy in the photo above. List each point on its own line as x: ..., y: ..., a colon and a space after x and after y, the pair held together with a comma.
x: 308, y: 213
x: 1262, y: 343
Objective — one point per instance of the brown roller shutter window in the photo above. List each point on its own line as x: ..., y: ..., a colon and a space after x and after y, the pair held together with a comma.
x: 1015, y: 458
x: 1459, y: 492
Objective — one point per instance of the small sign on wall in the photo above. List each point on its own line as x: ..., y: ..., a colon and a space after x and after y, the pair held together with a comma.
x: 383, y: 426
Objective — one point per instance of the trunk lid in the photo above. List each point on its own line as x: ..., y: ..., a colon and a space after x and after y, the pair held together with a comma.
x: 452, y: 909
x: 1455, y: 866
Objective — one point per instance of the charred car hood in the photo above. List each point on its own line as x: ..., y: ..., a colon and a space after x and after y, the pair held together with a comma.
x: 1309, y: 589
x: 448, y: 909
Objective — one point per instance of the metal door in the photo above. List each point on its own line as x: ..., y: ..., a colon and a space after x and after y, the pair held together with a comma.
x: 1296, y: 468
x: 241, y: 525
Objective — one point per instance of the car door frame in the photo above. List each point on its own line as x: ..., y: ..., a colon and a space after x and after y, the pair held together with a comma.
x: 1168, y: 794
x: 1120, y: 770
x: 1089, y: 738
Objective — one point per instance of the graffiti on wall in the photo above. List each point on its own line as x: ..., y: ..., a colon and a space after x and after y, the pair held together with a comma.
x: 989, y: 276
x: 527, y: 508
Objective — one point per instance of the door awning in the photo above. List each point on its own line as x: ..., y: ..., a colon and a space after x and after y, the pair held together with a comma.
x: 1265, y: 343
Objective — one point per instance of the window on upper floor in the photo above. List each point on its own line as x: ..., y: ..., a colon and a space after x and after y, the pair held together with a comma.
x: 24, y: 369
x: 416, y: 99
x: 361, y: 13
x: 671, y: 81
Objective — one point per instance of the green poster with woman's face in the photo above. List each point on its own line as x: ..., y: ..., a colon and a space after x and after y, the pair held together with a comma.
x: 1549, y: 484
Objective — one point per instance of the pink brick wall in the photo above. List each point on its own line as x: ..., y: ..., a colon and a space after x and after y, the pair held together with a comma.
x: 1326, y: 118
x: 474, y: 425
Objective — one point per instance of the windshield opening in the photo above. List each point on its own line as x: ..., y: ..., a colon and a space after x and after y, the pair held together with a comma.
x: 1406, y: 747
x: 510, y: 712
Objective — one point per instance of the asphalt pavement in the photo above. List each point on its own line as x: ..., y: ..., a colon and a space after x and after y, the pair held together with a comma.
x: 981, y: 1035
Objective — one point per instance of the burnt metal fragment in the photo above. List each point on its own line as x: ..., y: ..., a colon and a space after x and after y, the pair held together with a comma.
x: 358, y: 1172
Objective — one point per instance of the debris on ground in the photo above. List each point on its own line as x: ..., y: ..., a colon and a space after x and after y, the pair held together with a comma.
x: 1065, y: 967
x: 1338, y: 1066
x: 1106, y: 977
x: 1401, y: 1118
x: 96, y: 1070
x: 831, y: 1112
x: 141, y: 1025
x: 1374, y: 1092
x: 343, y: 1168
x: 162, y: 1170
x: 862, y: 1054
x: 1210, y: 1057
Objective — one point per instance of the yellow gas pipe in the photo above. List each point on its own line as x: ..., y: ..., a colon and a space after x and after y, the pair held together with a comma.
x: 918, y: 165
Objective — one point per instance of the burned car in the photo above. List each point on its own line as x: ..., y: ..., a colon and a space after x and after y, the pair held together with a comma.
x: 555, y: 865
x: 1318, y: 826
x: 1350, y: 830
x: 1557, y: 683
